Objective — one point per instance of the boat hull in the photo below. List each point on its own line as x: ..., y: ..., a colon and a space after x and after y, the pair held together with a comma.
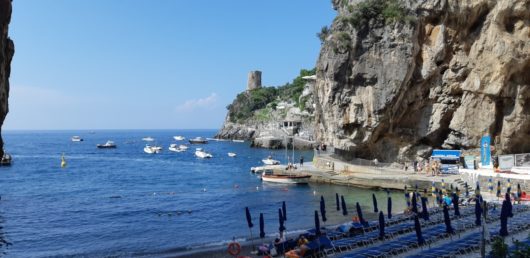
x: 198, y: 141
x: 270, y: 162
x: 101, y: 146
x: 286, y: 179
x: 202, y: 155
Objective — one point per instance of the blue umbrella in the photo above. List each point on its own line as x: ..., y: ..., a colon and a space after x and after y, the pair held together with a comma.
x: 504, y: 219
x: 374, y: 200
x: 381, y: 225
x: 284, y: 211
x: 455, y: 205
x: 323, y: 209
x: 447, y: 220
x: 414, y: 203
x: 317, y: 224
x: 280, y: 218
x: 261, y: 226
x: 249, y: 218
x: 478, y: 211
x: 510, y: 207
x: 337, y: 201
x: 344, y: 209
x: 424, y: 212
x: 417, y: 227
x: 360, y: 214
x: 389, y: 207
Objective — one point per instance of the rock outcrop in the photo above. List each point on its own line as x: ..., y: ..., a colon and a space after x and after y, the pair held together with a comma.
x: 7, y: 49
x: 439, y: 74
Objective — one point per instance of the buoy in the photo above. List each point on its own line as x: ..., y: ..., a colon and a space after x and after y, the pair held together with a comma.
x: 63, y: 161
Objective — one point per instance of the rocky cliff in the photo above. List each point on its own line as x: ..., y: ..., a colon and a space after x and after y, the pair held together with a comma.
x: 397, y: 78
x: 7, y: 50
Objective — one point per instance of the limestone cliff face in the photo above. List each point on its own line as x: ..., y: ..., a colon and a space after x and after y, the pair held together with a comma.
x: 7, y: 50
x: 395, y: 89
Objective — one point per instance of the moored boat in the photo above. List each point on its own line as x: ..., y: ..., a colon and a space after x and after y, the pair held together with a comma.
x: 270, y: 161
x: 238, y: 140
x: 148, y: 139
x: 200, y: 153
x: 179, y: 138
x: 269, y: 176
x: 107, y: 145
x: 198, y: 140
x: 176, y: 148
x: 6, y: 160
x: 231, y: 154
x: 152, y: 149
x: 77, y: 139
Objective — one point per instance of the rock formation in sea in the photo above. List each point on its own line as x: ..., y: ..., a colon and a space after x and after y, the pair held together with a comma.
x: 7, y: 49
x: 397, y: 78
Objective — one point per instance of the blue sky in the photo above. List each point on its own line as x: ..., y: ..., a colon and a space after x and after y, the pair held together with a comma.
x: 142, y: 64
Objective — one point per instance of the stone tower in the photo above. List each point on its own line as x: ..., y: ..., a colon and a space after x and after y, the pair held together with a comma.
x: 254, y: 80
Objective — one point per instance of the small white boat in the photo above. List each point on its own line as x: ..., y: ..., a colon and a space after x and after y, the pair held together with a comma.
x: 152, y: 149
x: 107, y: 145
x: 148, y: 139
x: 77, y: 139
x: 179, y: 138
x: 270, y: 161
x: 269, y: 176
x: 231, y: 154
x: 175, y: 148
x: 200, y: 153
x: 183, y: 147
x: 238, y: 140
x: 198, y: 140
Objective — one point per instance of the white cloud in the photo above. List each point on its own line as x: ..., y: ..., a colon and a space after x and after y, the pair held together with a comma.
x: 208, y: 102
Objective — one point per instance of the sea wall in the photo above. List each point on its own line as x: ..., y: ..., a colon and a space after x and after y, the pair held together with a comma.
x: 7, y: 49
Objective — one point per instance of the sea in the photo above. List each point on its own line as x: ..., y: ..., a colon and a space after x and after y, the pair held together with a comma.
x: 123, y: 202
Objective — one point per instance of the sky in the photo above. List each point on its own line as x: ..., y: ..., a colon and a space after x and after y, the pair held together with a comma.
x: 143, y: 64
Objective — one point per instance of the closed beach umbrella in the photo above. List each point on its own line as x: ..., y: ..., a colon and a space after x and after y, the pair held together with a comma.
x: 323, y: 209
x: 519, y: 192
x: 249, y: 218
x: 337, y: 201
x: 455, y: 205
x: 498, y: 188
x: 317, y: 224
x: 424, y: 212
x: 447, y: 221
x: 437, y: 192
x: 457, y: 191
x: 509, y: 186
x: 504, y: 219
x: 374, y: 200
x: 261, y: 226
x: 510, y: 207
x: 433, y: 189
x: 284, y: 211
x: 381, y: 225
x: 467, y: 189
x: 389, y: 207
x: 417, y: 227
x: 478, y: 211
x: 280, y: 219
x: 344, y: 209
x: 477, y: 189
x: 490, y: 185
x: 414, y: 203
x: 360, y: 213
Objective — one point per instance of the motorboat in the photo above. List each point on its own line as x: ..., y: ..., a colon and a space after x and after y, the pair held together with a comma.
x: 176, y: 148
x: 6, y: 160
x: 198, y: 140
x: 183, y: 147
x: 179, y: 138
x: 152, y: 149
x: 148, y: 139
x: 288, y: 178
x: 77, y: 139
x: 200, y: 153
x: 107, y: 145
x: 270, y: 161
x: 238, y: 140
x: 231, y: 154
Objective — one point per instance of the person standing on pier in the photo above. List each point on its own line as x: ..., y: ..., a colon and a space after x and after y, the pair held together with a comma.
x: 301, y: 161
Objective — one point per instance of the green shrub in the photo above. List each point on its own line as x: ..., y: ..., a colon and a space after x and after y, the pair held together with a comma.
x: 323, y: 34
x: 385, y: 11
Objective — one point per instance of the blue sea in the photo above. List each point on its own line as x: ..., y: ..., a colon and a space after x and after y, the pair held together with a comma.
x: 124, y: 202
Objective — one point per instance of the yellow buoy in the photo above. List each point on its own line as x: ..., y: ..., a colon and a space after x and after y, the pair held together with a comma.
x: 63, y: 161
